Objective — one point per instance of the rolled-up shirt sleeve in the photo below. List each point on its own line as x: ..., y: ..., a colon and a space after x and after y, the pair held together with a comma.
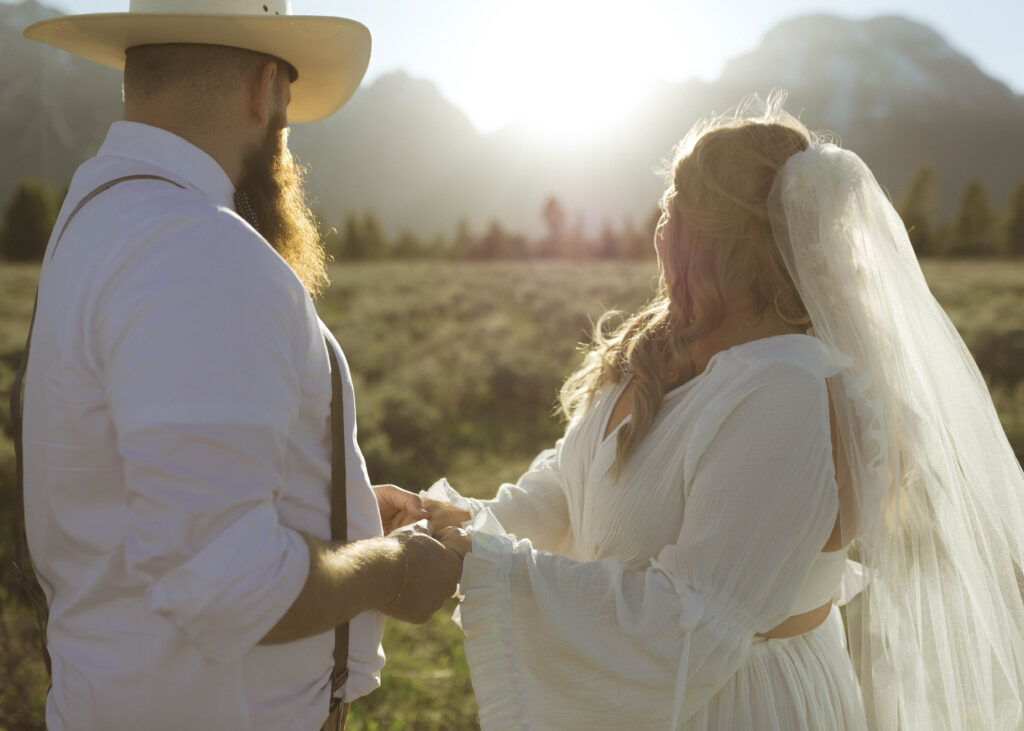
x: 201, y: 344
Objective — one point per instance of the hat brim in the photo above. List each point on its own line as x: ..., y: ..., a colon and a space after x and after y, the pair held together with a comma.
x: 330, y: 54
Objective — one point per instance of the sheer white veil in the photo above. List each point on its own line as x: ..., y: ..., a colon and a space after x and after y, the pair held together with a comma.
x: 937, y: 638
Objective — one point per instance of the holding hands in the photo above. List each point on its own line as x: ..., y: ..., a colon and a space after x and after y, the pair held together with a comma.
x: 399, y: 508
x: 456, y: 539
x: 443, y: 514
x: 444, y: 524
x: 427, y: 551
x: 428, y: 573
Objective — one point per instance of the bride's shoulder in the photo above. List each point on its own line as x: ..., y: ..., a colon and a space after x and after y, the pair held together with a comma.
x: 774, y: 388
x: 786, y: 373
x: 797, y: 351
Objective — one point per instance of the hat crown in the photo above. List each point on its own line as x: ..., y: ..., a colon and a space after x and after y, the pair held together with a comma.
x: 212, y: 7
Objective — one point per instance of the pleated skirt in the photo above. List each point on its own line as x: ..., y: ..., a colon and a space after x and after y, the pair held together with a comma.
x: 802, y: 683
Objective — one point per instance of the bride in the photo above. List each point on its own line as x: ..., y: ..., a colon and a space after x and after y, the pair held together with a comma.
x: 791, y: 398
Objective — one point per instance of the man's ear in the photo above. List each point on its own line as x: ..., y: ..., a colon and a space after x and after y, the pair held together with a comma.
x: 262, y: 93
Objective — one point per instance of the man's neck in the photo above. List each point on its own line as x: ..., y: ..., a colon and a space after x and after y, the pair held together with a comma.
x: 226, y: 149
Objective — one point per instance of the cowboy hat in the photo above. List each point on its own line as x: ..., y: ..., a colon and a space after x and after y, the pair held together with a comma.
x: 329, y: 54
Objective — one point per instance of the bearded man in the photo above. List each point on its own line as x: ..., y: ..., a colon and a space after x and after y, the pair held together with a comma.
x: 181, y: 425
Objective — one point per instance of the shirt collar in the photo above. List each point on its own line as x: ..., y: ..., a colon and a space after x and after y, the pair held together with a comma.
x: 170, y: 152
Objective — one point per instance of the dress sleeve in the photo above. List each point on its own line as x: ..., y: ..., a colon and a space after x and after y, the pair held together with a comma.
x: 534, y: 507
x: 557, y: 643
x: 201, y: 344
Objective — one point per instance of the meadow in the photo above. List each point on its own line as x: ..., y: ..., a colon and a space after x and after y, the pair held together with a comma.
x: 456, y: 368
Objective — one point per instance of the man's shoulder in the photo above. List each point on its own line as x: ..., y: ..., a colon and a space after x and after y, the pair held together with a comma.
x: 204, y: 243
x: 169, y: 237
x: 136, y: 190
x: 153, y: 213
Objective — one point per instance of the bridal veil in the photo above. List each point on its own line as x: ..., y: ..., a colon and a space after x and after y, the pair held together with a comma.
x: 937, y: 500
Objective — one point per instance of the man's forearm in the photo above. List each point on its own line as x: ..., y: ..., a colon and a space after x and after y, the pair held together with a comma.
x: 344, y: 580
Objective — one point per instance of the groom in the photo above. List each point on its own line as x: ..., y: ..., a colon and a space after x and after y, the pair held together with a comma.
x: 178, y: 398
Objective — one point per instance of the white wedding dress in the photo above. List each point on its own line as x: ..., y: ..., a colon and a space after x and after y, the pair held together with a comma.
x: 591, y: 603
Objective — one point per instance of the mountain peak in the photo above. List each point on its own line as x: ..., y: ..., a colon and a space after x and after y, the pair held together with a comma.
x: 868, y: 67
x: 406, y: 99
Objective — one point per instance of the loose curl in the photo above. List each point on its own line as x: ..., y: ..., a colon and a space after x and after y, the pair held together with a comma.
x: 714, y: 241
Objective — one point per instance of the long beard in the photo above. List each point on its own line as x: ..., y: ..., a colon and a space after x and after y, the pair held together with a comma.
x: 271, y: 198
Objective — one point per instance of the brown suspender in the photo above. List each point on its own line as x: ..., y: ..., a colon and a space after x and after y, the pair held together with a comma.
x: 339, y: 510
x: 339, y: 518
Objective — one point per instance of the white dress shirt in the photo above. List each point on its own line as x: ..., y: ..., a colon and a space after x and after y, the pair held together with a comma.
x: 176, y: 439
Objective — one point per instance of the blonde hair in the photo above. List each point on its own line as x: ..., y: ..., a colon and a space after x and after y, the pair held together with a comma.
x: 715, y: 240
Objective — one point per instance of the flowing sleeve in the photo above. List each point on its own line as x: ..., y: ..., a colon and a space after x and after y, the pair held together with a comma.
x: 534, y: 507
x: 555, y: 643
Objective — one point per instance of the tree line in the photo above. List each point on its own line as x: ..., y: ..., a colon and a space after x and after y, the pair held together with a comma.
x: 978, y: 228
x: 361, y: 238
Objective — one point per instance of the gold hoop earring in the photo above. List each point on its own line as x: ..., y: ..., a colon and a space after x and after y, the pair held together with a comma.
x: 795, y: 321
x: 775, y: 304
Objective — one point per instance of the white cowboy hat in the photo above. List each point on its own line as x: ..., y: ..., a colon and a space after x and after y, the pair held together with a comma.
x: 330, y: 54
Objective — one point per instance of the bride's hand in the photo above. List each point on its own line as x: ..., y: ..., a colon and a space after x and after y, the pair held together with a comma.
x: 397, y: 507
x: 443, y: 515
x: 456, y: 539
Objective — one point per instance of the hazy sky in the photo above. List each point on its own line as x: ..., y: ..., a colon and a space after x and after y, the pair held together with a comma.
x: 562, y: 62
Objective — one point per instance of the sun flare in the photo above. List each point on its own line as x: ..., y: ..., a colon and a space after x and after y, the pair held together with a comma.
x: 564, y: 69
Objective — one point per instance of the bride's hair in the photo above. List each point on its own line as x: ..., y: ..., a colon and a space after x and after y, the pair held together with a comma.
x: 714, y: 241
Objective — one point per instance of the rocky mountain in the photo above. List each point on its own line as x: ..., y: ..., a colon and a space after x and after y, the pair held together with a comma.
x: 893, y: 90
x: 56, y: 108
x: 896, y: 93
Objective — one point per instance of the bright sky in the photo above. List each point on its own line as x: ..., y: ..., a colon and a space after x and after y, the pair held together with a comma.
x: 573, y: 62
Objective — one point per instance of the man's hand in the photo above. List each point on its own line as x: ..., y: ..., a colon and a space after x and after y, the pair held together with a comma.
x: 431, y: 573
x: 398, y: 507
x: 443, y: 514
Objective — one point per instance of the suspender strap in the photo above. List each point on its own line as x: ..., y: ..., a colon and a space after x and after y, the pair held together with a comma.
x: 339, y: 511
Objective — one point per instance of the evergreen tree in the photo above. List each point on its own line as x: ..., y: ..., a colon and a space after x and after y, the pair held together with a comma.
x: 362, y: 237
x: 554, y: 216
x: 437, y: 248
x: 407, y: 247
x: 352, y: 242
x: 609, y: 243
x: 636, y: 244
x: 973, y: 229
x: 577, y: 244
x: 374, y: 240
x: 916, y: 209
x: 1015, y: 222
x: 463, y: 243
x: 497, y: 243
x: 28, y: 219
x: 492, y: 244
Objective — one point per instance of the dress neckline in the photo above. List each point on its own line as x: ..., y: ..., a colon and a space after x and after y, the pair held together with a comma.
x: 628, y: 378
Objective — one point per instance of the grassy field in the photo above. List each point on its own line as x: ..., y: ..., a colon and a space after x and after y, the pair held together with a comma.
x: 456, y: 368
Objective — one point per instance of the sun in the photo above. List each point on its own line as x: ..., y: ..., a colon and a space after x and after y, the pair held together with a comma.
x: 563, y: 69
